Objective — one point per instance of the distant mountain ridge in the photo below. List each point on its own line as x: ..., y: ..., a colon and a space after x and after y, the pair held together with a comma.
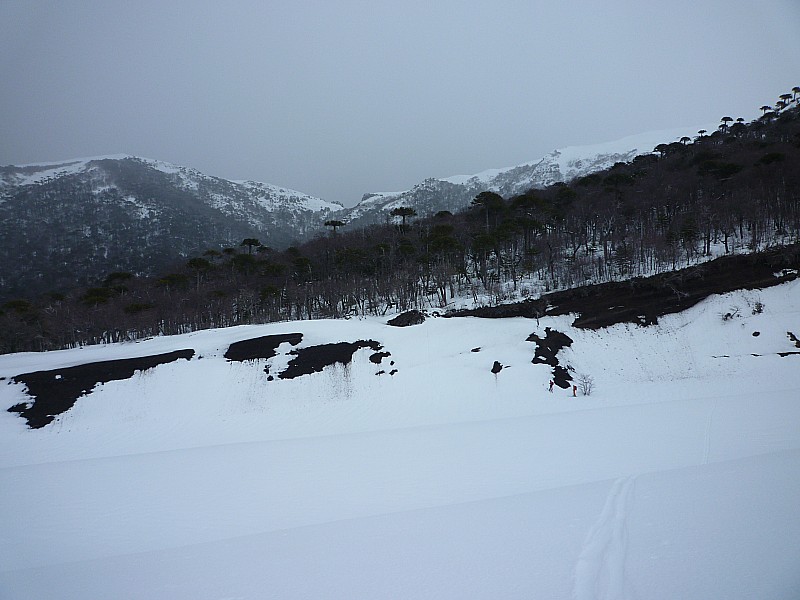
x: 73, y: 221
x: 456, y: 192
x: 221, y: 193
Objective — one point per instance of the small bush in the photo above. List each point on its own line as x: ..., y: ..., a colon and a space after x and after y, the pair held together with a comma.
x: 733, y: 313
x: 585, y: 384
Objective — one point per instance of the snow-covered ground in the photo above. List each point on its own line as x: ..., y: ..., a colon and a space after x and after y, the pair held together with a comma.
x: 678, y: 477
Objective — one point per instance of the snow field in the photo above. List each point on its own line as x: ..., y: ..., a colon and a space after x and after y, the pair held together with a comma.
x: 200, y: 479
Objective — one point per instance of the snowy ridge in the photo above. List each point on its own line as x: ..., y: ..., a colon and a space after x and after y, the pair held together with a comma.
x: 563, y: 165
x: 573, y: 161
x: 271, y: 197
x: 217, y: 477
x: 36, y: 173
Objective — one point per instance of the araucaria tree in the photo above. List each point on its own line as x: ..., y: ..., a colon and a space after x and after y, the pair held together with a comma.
x: 403, y: 212
x: 334, y: 224
x: 250, y: 243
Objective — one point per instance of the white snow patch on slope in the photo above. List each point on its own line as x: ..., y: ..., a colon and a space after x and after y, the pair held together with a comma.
x: 34, y: 173
x: 566, y: 158
x: 273, y: 196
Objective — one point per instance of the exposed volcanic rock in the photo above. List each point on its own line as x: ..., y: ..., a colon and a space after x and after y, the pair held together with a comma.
x: 411, y: 317
x: 314, y: 359
x: 532, y: 309
x: 378, y: 357
x: 261, y: 347
x: 644, y: 299
x: 547, y: 349
x: 56, y: 391
x: 794, y: 339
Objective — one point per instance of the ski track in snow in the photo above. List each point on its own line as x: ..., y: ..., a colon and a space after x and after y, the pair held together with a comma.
x: 600, y: 570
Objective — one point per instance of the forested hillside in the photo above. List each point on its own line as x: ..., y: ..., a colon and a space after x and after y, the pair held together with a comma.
x: 733, y: 191
x: 71, y: 223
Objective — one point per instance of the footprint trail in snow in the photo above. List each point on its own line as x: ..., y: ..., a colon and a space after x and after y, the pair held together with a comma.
x: 600, y: 571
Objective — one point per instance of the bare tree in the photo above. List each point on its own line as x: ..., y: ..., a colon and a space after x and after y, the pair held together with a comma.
x: 585, y: 384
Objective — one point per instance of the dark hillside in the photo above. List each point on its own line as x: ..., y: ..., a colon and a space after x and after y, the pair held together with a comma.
x: 73, y: 227
x: 586, y: 247
x: 642, y: 300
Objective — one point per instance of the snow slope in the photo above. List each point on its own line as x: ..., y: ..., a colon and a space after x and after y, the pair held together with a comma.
x: 677, y: 477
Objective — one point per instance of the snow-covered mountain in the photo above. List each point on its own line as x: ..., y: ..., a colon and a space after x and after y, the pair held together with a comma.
x: 75, y: 221
x: 456, y: 192
x: 353, y: 459
x: 81, y: 219
x: 254, y: 202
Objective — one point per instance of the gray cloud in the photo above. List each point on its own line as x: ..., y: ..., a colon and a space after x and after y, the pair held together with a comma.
x: 341, y: 98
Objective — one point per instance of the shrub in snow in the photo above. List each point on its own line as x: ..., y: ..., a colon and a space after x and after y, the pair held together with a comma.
x: 731, y: 314
x: 585, y: 384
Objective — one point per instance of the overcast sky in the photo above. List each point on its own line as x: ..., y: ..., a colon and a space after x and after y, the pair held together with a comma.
x: 341, y: 97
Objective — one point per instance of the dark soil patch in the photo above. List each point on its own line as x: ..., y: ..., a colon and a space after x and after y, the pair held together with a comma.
x: 411, y: 317
x: 261, y: 347
x: 547, y: 349
x: 644, y: 299
x: 315, y: 358
x: 56, y: 391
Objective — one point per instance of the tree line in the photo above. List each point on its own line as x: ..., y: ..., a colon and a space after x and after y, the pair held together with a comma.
x: 733, y: 190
